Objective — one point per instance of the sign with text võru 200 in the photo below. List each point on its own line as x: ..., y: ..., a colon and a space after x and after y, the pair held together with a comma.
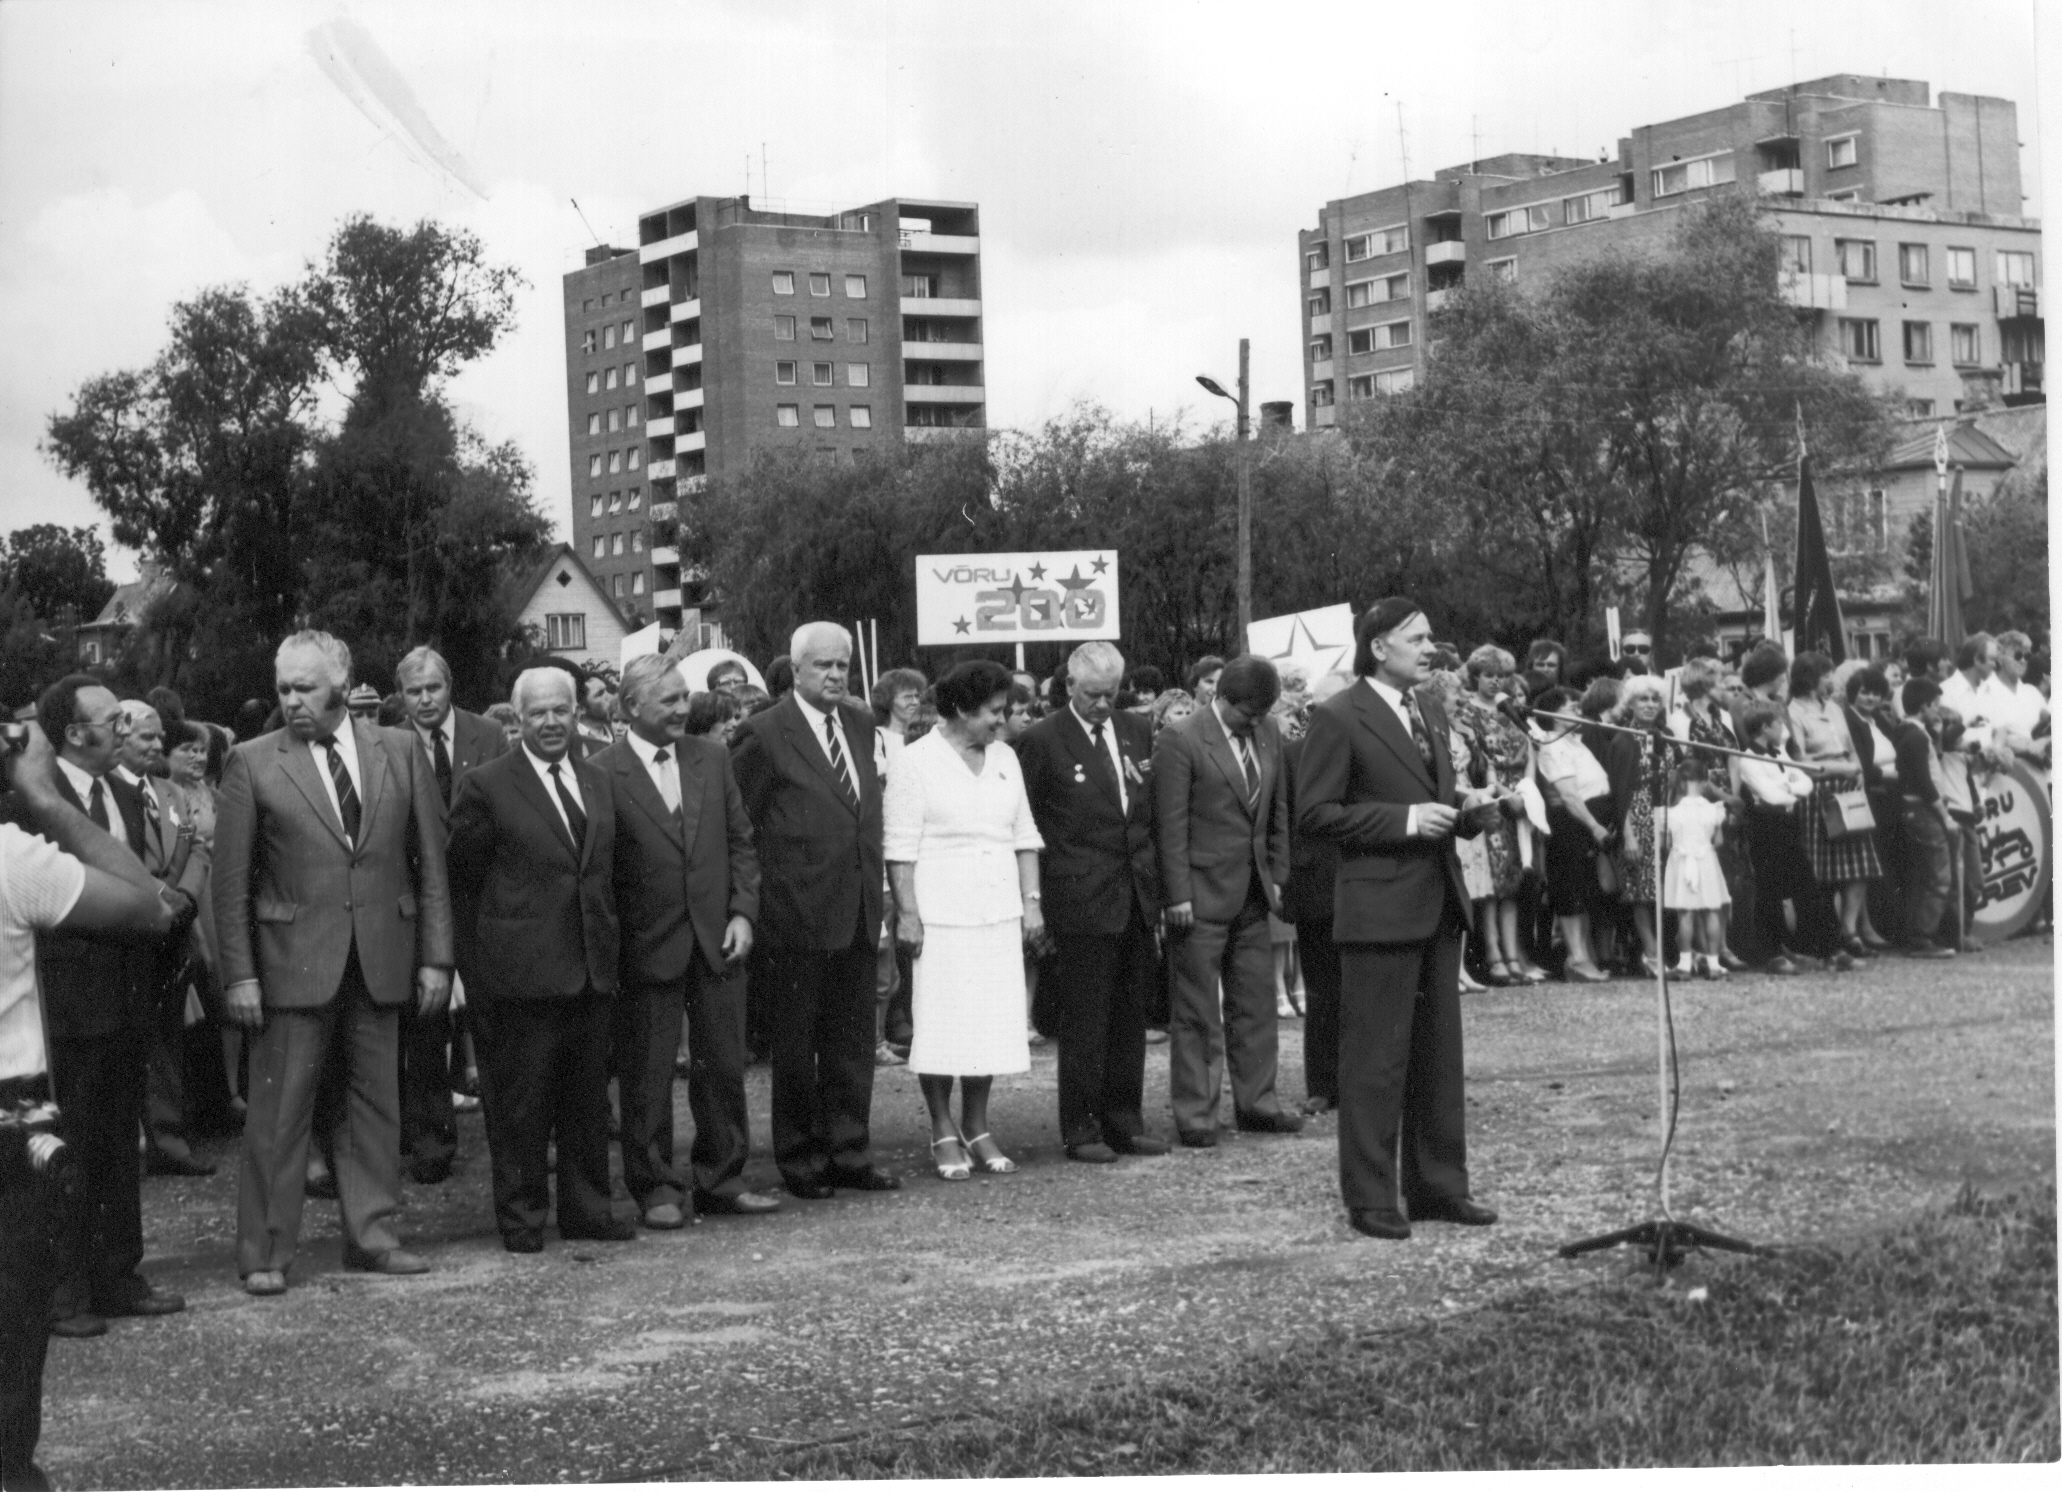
x: 1062, y: 596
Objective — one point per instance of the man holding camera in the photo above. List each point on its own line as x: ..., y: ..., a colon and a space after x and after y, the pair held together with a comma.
x: 76, y: 879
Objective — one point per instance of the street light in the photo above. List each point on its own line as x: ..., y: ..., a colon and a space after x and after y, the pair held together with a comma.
x: 1245, y: 475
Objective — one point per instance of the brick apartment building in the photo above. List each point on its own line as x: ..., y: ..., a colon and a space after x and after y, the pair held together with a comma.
x: 756, y: 330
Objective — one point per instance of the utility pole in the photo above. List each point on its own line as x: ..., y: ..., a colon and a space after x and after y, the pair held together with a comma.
x: 1245, y: 501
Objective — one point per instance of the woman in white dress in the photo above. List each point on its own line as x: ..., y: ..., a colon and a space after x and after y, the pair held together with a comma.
x: 962, y: 852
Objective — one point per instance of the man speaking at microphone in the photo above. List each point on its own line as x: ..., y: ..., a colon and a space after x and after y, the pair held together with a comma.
x: 1376, y: 779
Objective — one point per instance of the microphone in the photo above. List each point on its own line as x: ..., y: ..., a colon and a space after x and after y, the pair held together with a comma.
x: 1514, y: 712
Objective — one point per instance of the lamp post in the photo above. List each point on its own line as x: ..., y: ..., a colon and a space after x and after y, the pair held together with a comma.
x: 1245, y: 478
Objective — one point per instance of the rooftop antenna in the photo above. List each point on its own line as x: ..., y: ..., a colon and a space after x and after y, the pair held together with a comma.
x: 585, y: 224
x: 764, y: 190
x: 1475, y: 141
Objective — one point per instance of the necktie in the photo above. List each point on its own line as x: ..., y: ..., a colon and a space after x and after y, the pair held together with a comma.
x: 838, y: 762
x: 96, y: 806
x: 669, y: 788
x: 1102, y: 762
x: 1418, y: 734
x: 576, y: 818
x: 1249, y: 770
x: 347, y: 793
x: 153, y: 827
x: 440, y: 758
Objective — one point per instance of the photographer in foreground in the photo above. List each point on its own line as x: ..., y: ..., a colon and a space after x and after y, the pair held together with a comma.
x: 76, y: 878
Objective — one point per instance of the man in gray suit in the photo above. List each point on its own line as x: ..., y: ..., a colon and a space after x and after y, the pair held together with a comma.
x: 1221, y: 807
x: 331, y: 910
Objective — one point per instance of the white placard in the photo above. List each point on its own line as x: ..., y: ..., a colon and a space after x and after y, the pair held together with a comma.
x: 1066, y: 596
x: 1319, y: 641
x: 637, y: 644
x: 1611, y: 634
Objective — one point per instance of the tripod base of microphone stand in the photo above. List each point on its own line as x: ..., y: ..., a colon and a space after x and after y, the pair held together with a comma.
x: 1663, y: 1238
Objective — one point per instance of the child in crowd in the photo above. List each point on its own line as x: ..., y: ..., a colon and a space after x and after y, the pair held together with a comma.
x: 1923, y: 815
x: 1693, y: 882
x: 1775, y: 845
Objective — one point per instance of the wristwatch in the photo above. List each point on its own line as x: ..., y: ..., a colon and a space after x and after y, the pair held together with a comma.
x: 1034, y: 896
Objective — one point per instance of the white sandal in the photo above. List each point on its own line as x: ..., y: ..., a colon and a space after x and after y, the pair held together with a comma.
x: 959, y: 1170
x: 1002, y: 1165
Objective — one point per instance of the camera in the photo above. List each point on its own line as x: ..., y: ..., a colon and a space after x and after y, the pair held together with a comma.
x: 29, y: 1144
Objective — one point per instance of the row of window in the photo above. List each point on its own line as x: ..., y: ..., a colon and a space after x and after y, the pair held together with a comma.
x: 1366, y: 386
x: 821, y: 329
x: 1362, y: 340
x: 623, y: 298
x: 597, y: 381
x: 784, y: 284
x: 617, y: 418
x: 825, y: 416
x: 1856, y: 258
x: 608, y: 544
x: 628, y: 459
x: 615, y: 504
x: 1861, y: 340
x: 609, y: 336
x: 823, y: 375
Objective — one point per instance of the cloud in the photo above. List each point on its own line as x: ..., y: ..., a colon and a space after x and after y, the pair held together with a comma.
x: 351, y: 59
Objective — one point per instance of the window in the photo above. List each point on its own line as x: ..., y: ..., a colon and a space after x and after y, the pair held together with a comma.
x: 616, y: 502
x: 1961, y: 269
x: 635, y: 459
x: 629, y: 374
x: 1842, y: 150
x: 855, y: 287
x: 1919, y: 409
x: 1321, y: 395
x: 1857, y: 257
x: 566, y: 633
x: 1965, y: 344
x: 1918, y: 341
x: 587, y: 304
x: 820, y: 329
x: 1913, y: 265
x: 605, y: 299
x: 855, y: 328
x: 594, y: 506
x: 616, y: 585
x: 1376, y: 292
x: 783, y: 282
x: 629, y: 414
x: 1362, y: 387
x: 1320, y: 303
x: 1382, y: 241
x: 594, y: 383
x: 1858, y: 339
x: 1396, y: 382
x: 784, y: 372
x: 615, y: 419
x: 826, y: 416
x: 1690, y: 176
x: 1797, y: 253
x: 594, y: 462
x: 615, y: 544
x: 587, y: 341
x: 636, y: 497
x: 857, y: 375
x: 612, y: 378
x: 637, y: 584
x: 819, y: 284
x: 1320, y: 348
x: 2015, y: 268
x: 787, y: 416
x: 1516, y: 221
x: 601, y: 545
x: 861, y: 416
x: 615, y: 462
x: 783, y: 328
x: 1852, y: 194
x: 1591, y: 205
x: 821, y: 375
x: 637, y: 541
x: 608, y: 336
x: 1318, y: 258
x: 594, y: 424
x: 1504, y: 269
x: 1378, y: 338
x: 1875, y: 513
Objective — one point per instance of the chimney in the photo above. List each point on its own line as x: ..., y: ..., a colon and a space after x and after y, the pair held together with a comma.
x: 1278, y: 416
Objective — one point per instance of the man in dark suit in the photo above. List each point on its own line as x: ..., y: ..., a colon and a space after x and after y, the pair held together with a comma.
x: 1307, y: 902
x: 1376, y: 779
x: 454, y: 741
x: 1221, y: 820
x: 687, y: 889
x: 1085, y: 771
x: 532, y: 887
x: 812, y: 788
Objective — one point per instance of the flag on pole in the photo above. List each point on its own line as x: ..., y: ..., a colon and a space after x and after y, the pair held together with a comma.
x: 1816, y: 609
x: 1771, y: 592
x: 1952, y: 586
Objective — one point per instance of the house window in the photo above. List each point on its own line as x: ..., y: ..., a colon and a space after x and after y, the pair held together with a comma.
x: 1690, y: 176
x: 1378, y: 338
x: 2015, y: 268
x: 1797, y: 253
x: 855, y: 287
x: 587, y: 304
x: 594, y: 506
x: 1919, y: 409
x: 819, y: 284
x: 1320, y: 348
x: 861, y: 416
x: 1858, y: 339
x: 855, y: 328
x: 637, y: 541
x: 629, y: 374
x: 616, y: 585
x: 783, y: 282
x: 594, y: 424
x: 820, y: 329
x: 1961, y: 269
x: 615, y: 462
x: 1318, y: 258
x: 787, y: 416
x: 1842, y: 150
x: 783, y: 328
x: 1516, y: 221
x: 634, y: 460
x: 594, y: 461
x: 1591, y: 205
x: 594, y: 383
x: 636, y: 498
x: 615, y: 544
x: 1918, y: 341
x: 1913, y: 265
x: 612, y: 378
x: 637, y: 584
x: 857, y: 375
x: 587, y: 341
x: 601, y: 545
x: 1965, y: 343
x: 1857, y: 257
x: 1382, y: 241
x: 820, y: 375
x: 616, y: 501
x: 783, y: 372
x: 566, y: 632
x: 826, y: 416
x: 1376, y: 292
x: 1852, y: 194
x: 920, y: 287
x: 1320, y: 303
x: 1362, y: 387
x: 629, y: 414
x: 1503, y: 269
x: 1395, y: 382
x: 615, y: 419
x: 1321, y: 394
x: 608, y: 336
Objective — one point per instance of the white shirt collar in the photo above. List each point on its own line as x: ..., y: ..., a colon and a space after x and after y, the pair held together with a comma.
x: 448, y: 730
x: 817, y: 715
x: 1391, y: 693
x: 81, y: 780
x: 126, y: 775
x: 1088, y: 729
x: 646, y: 750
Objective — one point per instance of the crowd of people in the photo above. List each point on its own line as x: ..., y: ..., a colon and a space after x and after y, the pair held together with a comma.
x: 351, y: 917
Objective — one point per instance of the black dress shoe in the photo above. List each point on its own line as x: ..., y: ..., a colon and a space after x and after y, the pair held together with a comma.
x: 1277, y: 1123
x: 869, y: 1179
x: 1199, y: 1139
x: 1379, y: 1222
x: 162, y: 1163
x: 1320, y: 1103
x: 811, y: 1191
x: 79, y: 1324
x: 384, y: 1261
x: 1095, y: 1153
x: 140, y: 1300
x: 743, y: 1204
x: 602, y: 1230
x: 430, y: 1172
x: 1462, y: 1210
x: 523, y: 1241
x: 1138, y: 1144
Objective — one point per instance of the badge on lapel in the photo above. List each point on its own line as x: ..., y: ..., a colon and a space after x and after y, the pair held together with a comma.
x: 1132, y: 774
x: 1080, y: 773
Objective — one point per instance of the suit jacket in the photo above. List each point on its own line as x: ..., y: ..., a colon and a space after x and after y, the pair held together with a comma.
x: 1211, y: 841
x: 819, y: 857
x: 474, y: 739
x: 1098, y: 859
x: 193, y: 877
x: 1357, y: 778
x: 292, y: 896
x: 536, y: 914
x: 1313, y: 862
x: 681, y: 877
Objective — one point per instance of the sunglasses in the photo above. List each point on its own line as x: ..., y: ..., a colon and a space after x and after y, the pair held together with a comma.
x: 1636, y: 647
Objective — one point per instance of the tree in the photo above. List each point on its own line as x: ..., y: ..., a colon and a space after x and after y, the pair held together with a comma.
x: 2006, y: 534
x: 60, y: 572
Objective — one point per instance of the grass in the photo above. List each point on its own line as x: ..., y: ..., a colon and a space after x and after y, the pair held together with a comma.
x: 1933, y: 1343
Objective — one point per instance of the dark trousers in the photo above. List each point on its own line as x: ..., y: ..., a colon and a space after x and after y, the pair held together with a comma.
x: 100, y: 1088
x: 544, y: 1069
x: 1928, y: 874
x: 165, y: 1117
x: 1776, y: 850
x: 31, y: 1222
x: 1320, y: 958
x: 648, y: 1020
x: 820, y: 1013
x: 1098, y: 984
x: 1400, y: 1072
x: 429, y: 1125
x: 1238, y: 957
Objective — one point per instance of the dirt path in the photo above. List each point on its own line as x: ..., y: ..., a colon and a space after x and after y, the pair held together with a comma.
x: 1814, y: 1108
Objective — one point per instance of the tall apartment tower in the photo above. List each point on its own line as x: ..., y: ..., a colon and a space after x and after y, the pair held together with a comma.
x: 758, y: 330
x: 1900, y: 218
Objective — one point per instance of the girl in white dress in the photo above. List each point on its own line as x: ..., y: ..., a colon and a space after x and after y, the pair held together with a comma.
x: 962, y: 851
x: 1693, y: 881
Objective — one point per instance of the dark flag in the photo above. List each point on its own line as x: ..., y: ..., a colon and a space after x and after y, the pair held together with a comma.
x: 1816, y: 608
x: 1951, y: 585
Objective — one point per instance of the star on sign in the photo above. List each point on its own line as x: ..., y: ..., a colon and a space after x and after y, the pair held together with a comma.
x: 1100, y: 565
x: 1016, y: 588
x: 1076, y: 581
x: 962, y: 625
x: 1038, y: 572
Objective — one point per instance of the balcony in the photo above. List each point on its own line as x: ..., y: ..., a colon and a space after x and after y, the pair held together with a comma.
x: 923, y: 433
x: 694, y: 440
x: 687, y: 399
x: 1815, y: 292
x: 659, y: 340
x: 939, y: 243
x: 665, y: 512
x: 941, y: 352
x: 686, y: 310
x: 2022, y: 383
x: 1320, y: 325
x: 697, y: 482
x: 1787, y: 182
x: 1452, y: 251
x: 929, y: 305
x: 655, y: 295
x: 943, y: 393
x: 2016, y: 302
x: 666, y: 248
x: 660, y: 471
x: 667, y: 600
x: 664, y: 555
x: 1438, y: 300
x: 660, y: 428
x: 1319, y: 278
x: 1322, y: 372
x: 1324, y: 416
x: 688, y: 356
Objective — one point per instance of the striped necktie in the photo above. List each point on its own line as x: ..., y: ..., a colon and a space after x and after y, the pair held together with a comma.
x: 1249, y: 769
x: 347, y: 791
x: 838, y: 762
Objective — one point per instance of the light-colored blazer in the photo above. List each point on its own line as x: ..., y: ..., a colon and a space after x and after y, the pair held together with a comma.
x: 1211, y: 838
x: 292, y: 895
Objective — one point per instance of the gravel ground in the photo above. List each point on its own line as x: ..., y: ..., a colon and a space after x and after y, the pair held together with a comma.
x: 1814, y: 1109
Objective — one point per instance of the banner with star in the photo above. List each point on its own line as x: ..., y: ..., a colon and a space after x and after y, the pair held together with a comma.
x: 1060, y: 596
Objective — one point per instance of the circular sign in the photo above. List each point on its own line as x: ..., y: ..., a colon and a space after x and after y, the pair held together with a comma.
x: 2016, y: 834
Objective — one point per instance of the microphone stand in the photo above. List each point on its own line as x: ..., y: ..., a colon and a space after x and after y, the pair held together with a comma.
x: 1664, y: 1237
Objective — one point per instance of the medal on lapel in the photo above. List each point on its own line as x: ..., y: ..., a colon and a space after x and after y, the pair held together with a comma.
x: 1080, y: 773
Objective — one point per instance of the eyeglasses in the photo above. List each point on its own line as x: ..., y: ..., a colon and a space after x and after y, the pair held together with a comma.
x: 1636, y: 647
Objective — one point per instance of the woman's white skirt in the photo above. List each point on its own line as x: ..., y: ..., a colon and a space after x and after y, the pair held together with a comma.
x: 967, y: 1002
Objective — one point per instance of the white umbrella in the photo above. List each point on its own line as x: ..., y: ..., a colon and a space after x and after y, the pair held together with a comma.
x: 695, y: 667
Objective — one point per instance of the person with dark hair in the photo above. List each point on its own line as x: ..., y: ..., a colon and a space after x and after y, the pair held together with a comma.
x: 1842, y: 867
x: 1929, y: 876
x: 1307, y: 903
x: 170, y: 707
x: 896, y: 695
x: 1023, y: 711
x: 712, y: 715
x: 1873, y: 725
x: 726, y: 676
x: 962, y: 851
x: 1499, y: 759
x: 1928, y: 658
x: 1202, y: 678
x: 1221, y: 819
x: 1547, y: 657
x: 503, y: 714
x: 780, y: 679
x: 1376, y: 779
x: 1775, y: 793
x: 1578, y: 794
x: 251, y: 718
x: 1145, y: 683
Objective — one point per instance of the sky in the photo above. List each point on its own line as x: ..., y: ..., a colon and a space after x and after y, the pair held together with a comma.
x: 1142, y: 169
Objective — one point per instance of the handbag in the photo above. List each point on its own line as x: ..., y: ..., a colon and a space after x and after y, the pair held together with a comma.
x: 1847, y: 813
